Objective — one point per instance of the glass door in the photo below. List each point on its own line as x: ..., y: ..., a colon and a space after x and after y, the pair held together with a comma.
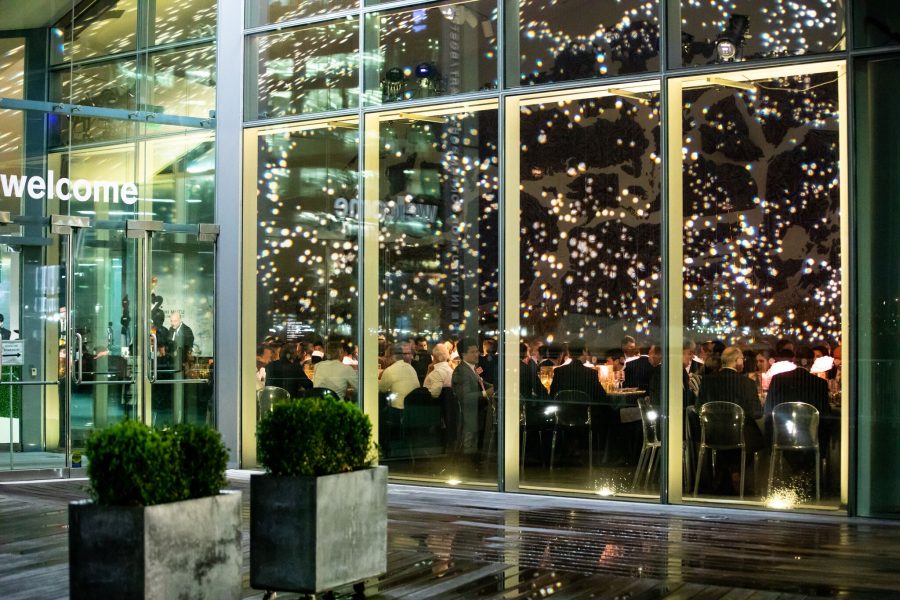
x: 33, y: 349
x: 179, y: 296
x: 104, y: 288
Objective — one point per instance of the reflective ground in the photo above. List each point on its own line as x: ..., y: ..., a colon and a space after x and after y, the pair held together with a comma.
x: 468, y: 544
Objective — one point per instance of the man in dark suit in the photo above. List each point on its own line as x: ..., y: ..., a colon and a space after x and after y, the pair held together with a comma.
x: 488, y: 361
x: 287, y: 373
x: 4, y: 332
x: 579, y: 378
x: 469, y: 389
x: 730, y: 385
x: 575, y: 376
x: 182, y: 340
x: 638, y: 372
x: 800, y: 385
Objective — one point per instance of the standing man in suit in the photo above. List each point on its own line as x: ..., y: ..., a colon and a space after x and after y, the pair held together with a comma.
x: 469, y: 389
x: 4, y: 332
x: 182, y: 338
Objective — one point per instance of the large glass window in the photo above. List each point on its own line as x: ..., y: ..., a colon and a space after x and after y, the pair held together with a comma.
x: 721, y: 32
x: 307, y: 294
x: 95, y: 29
x: 107, y: 85
x: 762, y: 274
x: 182, y: 82
x: 430, y: 51
x: 307, y: 69
x: 177, y: 20
x: 877, y: 23
x: 12, y: 123
x: 878, y: 187
x: 589, y: 224
x: 437, y: 201
x: 261, y: 12
x: 582, y: 39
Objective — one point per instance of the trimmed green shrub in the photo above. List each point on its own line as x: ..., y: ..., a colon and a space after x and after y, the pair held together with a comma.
x: 313, y: 437
x: 202, y: 458
x: 131, y: 464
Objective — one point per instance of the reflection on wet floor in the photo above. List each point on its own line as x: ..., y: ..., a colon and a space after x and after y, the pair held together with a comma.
x: 466, y: 544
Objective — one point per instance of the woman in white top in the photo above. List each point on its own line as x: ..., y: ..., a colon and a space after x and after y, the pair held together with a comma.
x: 441, y: 372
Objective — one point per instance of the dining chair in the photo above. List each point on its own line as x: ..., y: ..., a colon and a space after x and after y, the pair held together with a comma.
x: 795, y: 426
x: 268, y: 397
x: 571, y: 409
x: 721, y: 428
x: 534, y: 417
x: 649, y: 457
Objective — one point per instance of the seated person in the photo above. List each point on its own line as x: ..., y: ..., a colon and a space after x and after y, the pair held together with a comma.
x: 441, y: 373
x: 799, y: 385
x: 729, y: 384
x: 332, y: 373
x: 638, y: 371
x: 399, y: 377
x: 575, y: 376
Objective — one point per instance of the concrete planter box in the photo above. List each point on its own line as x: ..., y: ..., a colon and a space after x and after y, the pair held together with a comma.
x: 312, y: 534
x: 189, y: 549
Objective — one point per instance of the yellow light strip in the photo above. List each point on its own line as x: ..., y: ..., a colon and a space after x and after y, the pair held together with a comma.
x: 627, y: 94
x: 425, y: 118
x: 721, y: 81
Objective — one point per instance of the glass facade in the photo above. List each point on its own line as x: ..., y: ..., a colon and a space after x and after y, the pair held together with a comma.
x: 637, y: 249
x: 625, y: 271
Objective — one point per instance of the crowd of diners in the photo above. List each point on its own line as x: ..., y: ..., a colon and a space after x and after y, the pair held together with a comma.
x: 464, y: 373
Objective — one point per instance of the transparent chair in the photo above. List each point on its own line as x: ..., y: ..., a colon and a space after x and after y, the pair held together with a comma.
x: 571, y: 409
x: 649, y: 457
x: 267, y: 397
x: 721, y: 428
x: 795, y: 426
x: 534, y: 417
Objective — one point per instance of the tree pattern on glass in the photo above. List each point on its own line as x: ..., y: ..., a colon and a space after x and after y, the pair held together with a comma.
x: 590, y: 218
x: 761, y: 211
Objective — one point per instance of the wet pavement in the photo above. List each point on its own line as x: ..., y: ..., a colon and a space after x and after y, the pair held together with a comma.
x: 452, y: 543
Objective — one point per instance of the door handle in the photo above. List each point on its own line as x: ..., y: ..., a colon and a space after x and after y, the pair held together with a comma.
x: 154, y: 347
x: 79, y: 358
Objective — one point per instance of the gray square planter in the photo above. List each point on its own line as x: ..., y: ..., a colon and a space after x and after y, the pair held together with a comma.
x: 312, y: 534
x: 189, y: 549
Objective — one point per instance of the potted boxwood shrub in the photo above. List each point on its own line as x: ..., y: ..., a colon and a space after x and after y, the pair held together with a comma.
x: 158, y: 525
x: 318, y: 516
